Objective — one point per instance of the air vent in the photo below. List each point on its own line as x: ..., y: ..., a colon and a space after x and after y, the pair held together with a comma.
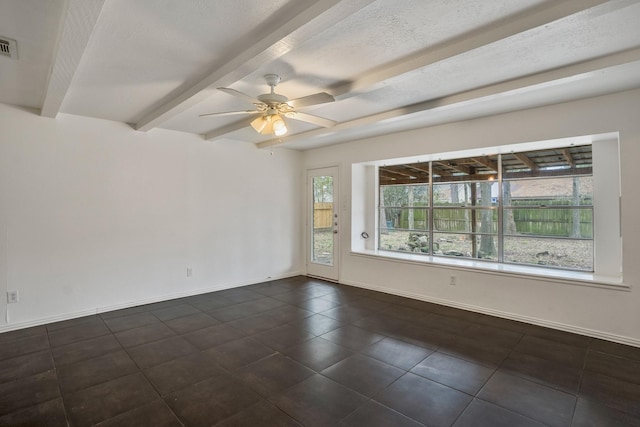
x: 8, y: 48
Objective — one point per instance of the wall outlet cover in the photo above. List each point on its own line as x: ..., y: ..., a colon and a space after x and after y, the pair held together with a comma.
x: 12, y: 297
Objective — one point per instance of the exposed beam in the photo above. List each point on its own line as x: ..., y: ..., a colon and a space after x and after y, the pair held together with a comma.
x: 568, y: 157
x: 528, y: 19
x: 419, y: 168
x: 486, y: 162
x: 526, y: 160
x: 395, y: 172
x: 292, y: 25
x: 522, y: 84
x: 459, y: 168
x: 78, y: 22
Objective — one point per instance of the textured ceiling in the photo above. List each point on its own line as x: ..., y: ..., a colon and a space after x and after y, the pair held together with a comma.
x: 391, y: 64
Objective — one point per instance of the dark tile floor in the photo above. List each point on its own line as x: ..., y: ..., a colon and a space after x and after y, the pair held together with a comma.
x: 302, y: 351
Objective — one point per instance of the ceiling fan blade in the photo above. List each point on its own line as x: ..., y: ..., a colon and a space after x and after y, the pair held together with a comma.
x: 231, y: 113
x: 239, y: 94
x: 316, y: 98
x: 310, y: 118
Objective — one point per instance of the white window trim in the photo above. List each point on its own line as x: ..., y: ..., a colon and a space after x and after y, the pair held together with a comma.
x: 608, y: 245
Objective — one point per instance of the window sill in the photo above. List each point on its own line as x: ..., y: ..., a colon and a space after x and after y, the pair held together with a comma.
x: 527, y: 272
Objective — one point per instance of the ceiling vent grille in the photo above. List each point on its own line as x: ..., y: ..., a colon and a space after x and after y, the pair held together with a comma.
x: 8, y: 48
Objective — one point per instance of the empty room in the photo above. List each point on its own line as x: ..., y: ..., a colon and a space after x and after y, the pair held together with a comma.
x: 367, y: 213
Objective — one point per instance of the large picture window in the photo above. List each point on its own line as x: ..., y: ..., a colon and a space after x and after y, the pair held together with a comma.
x: 531, y: 208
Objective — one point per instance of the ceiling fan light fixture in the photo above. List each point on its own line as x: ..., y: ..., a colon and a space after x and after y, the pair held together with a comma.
x: 278, y: 124
x: 260, y: 124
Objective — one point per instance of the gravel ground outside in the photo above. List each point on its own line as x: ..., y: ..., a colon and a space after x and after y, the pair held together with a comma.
x: 560, y: 253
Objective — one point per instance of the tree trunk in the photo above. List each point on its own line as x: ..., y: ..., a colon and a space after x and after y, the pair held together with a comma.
x: 509, y: 221
x: 487, y: 246
x: 410, y: 210
x: 575, y: 214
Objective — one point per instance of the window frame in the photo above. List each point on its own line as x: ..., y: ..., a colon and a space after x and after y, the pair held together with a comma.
x: 500, y: 207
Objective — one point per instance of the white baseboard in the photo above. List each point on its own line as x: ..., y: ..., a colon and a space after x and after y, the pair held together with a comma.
x: 143, y: 301
x: 497, y: 313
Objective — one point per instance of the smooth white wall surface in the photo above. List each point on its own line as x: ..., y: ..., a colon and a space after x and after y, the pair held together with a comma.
x: 606, y: 313
x: 95, y: 215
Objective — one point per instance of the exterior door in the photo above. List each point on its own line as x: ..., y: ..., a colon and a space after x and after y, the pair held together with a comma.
x: 323, y: 223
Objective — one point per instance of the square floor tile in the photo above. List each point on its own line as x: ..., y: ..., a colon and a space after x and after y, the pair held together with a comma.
x: 318, y: 353
x: 254, y: 324
x: 615, y: 348
x: 319, y: 401
x: 259, y: 414
x: 374, y: 414
x: 91, y: 329
x: 352, y: 337
x: 83, y: 350
x: 209, y: 303
x: 425, y: 401
x: 283, y: 337
x: 363, y: 374
x: 397, y: 353
x: 156, y: 414
x: 273, y: 374
x: 211, y: 401
x: 107, y: 400
x: 316, y: 305
x: 544, y: 404
x: 46, y: 414
x: 236, y: 354
x: 213, y: 336
x: 11, y: 336
x: 552, y: 350
x: 543, y: 371
x: 86, y: 373
x: 481, y: 413
x: 157, y: 352
x: 144, y: 334
x: 289, y: 313
x: 476, y: 351
x: 182, y: 372
x: 593, y: 414
x: 347, y: 314
x: 495, y: 336
x: 614, y: 366
x: 25, y: 366
x: 428, y: 338
x: 193, y: 322
x: 132, y: 321
x: 612, y: 392
x: 28, y: 391
x: 453, y: 372
x: 22, y: 346
x: 72, y: 322
x: 175, y: 311
x: 318, y: 324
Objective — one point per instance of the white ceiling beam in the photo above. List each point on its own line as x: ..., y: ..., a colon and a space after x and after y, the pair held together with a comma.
x: 78, y: 22
x: 224, y: 130
x: 509, y: 26
x: 552, y: 77
x: 296, y: 22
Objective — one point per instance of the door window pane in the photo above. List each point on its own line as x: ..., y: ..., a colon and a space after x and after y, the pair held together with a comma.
x: 322, y: 220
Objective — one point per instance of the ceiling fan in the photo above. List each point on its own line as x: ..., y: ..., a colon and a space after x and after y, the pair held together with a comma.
x: 271, y: 108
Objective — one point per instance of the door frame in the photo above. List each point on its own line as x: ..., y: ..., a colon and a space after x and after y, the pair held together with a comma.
x: 314, y: 269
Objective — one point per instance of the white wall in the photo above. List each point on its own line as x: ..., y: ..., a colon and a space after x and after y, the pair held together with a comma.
x: 611, y: 314
x: 94, y: 215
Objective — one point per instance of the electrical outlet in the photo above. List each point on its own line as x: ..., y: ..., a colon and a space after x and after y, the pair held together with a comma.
x: 453, y: 280
x: 12, y: 297
x: 189, y: 272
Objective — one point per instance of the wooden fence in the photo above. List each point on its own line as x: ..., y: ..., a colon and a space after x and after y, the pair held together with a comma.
x: 322, y: 215
x: 534, y: 221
